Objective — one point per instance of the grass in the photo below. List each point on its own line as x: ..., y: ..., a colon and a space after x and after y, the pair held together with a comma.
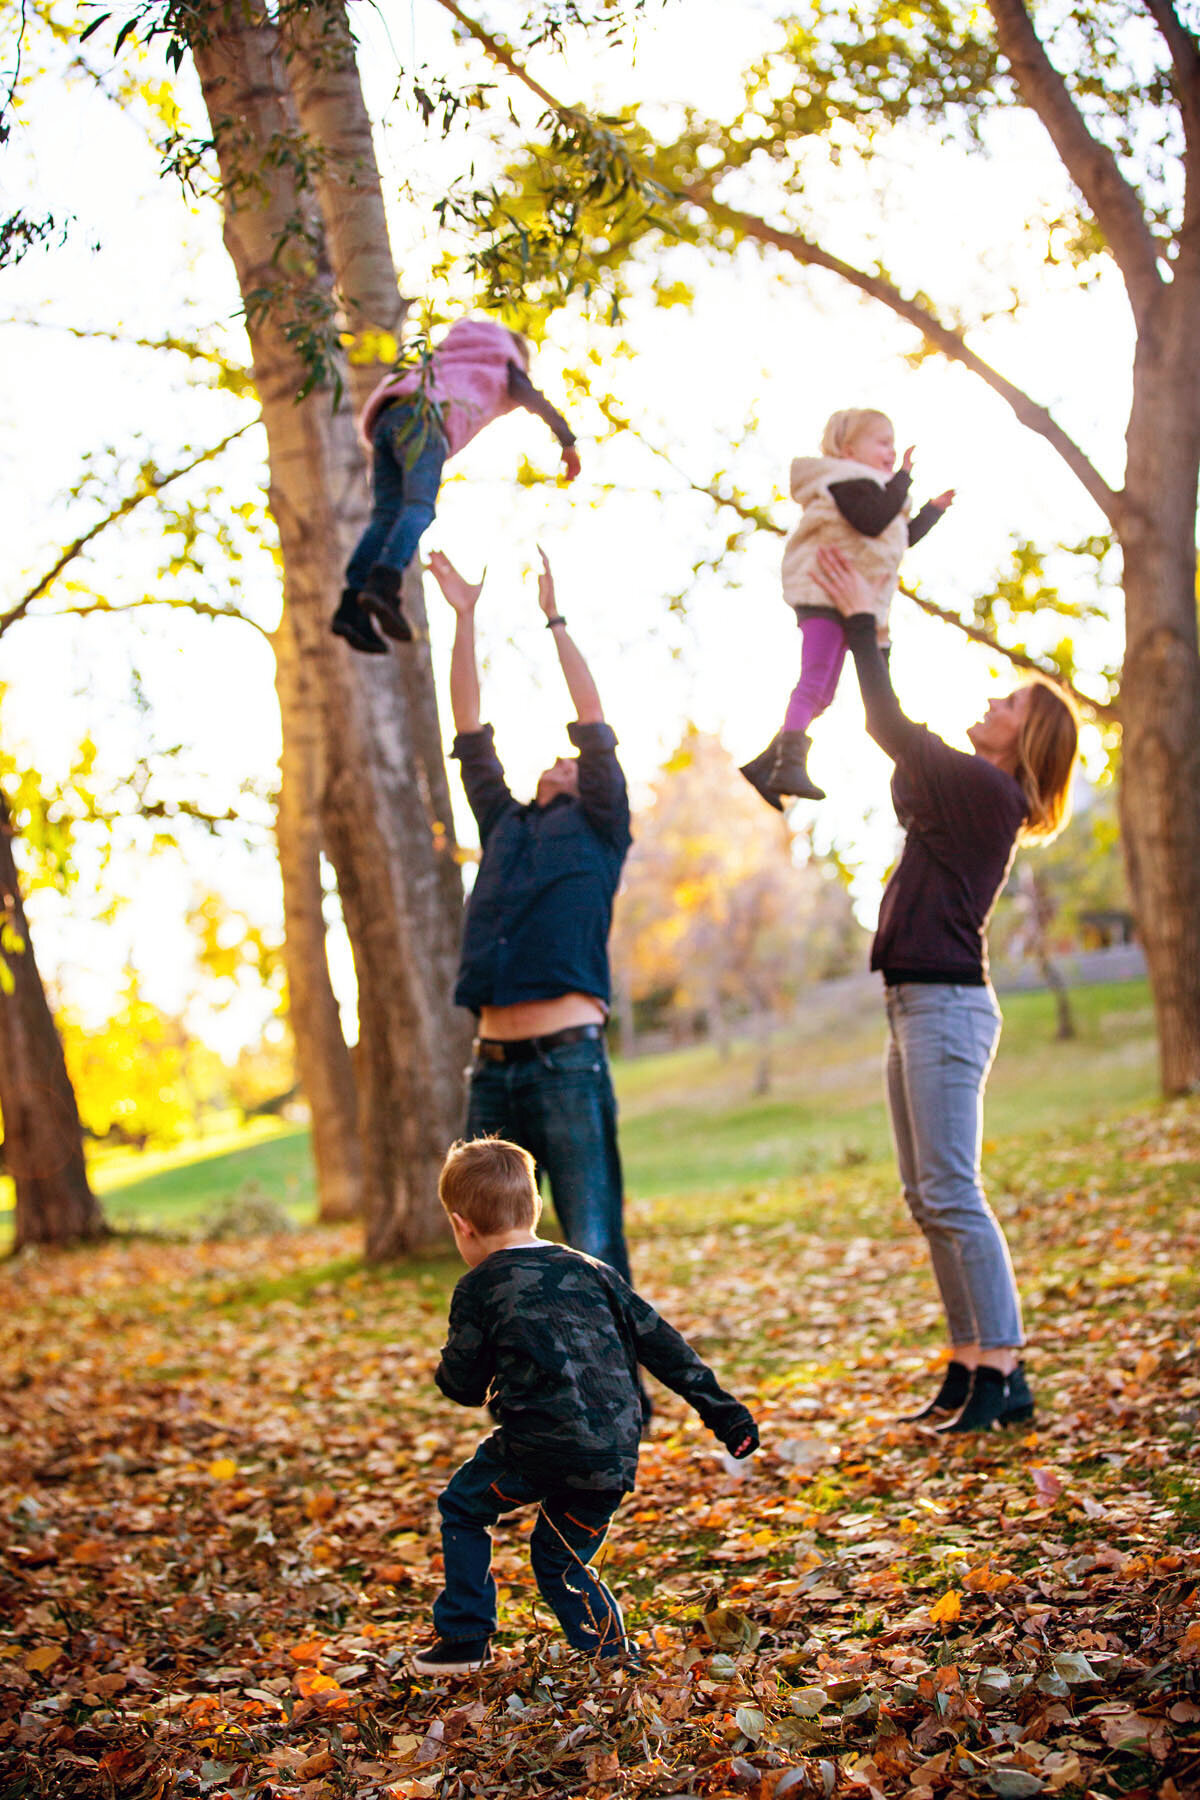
x: 693, y: 1128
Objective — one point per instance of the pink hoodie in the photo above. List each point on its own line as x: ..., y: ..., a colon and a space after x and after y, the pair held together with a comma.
x: 466, y: 376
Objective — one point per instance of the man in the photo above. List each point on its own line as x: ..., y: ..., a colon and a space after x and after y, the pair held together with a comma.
x: 534, y: 965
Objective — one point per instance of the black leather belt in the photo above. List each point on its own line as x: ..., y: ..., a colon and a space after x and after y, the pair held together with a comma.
x: 505, y: 1050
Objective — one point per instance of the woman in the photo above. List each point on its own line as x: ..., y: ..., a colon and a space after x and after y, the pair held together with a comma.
x: 963, y: 816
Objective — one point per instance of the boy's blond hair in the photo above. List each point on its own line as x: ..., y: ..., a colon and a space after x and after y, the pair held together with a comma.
x: 492, y: 1184
x: 842, y: 428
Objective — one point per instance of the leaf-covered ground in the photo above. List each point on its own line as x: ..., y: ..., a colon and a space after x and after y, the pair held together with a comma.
x: 219, y: 1465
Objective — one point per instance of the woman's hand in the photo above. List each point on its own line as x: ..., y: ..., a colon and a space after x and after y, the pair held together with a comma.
x: 570, y: 458
x: 546, y: 596
x: 461, y: 593
x: 842, y: 582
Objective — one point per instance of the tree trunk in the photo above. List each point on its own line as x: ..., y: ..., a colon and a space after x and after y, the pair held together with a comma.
x: 1160, y: 686
x: 43, y: 1143
x: 322, y: 1055
x: 389, y: 855
x: 324, y: 82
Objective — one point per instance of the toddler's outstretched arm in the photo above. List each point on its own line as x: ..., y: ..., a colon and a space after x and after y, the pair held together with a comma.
x: 533, y: 400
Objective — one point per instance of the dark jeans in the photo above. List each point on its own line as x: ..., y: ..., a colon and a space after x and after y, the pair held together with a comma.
x: 560, y: 1107
x: 406, y: 472
x: 570, y: 1529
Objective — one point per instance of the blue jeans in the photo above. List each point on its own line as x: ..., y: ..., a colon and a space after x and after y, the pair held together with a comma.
x: 406, y: 472
x: 940, y: 1048
x: 571, y: 1527
x: 560, y: 1107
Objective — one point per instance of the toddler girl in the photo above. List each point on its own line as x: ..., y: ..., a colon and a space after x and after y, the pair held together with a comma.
x: 852, y: 500
x: 412, y: 423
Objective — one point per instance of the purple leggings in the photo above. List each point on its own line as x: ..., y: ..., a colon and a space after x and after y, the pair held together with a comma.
x: 821, y: 657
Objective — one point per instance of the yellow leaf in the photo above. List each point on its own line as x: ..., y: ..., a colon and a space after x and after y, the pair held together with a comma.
x: 43, y: 1658
x: 224, y: 1469
x: 947, y: 1609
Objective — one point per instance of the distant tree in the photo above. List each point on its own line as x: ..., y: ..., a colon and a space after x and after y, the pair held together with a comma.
x: 43, y: 1143
x: 718, y: 915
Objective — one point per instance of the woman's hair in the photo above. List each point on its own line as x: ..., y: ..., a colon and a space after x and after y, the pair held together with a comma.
x: 491, y: 1184
x: 522, y: 347
x: 1046, y: 753
x: 842, y: 429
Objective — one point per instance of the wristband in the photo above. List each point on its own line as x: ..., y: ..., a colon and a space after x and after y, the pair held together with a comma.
x: 556, y: 620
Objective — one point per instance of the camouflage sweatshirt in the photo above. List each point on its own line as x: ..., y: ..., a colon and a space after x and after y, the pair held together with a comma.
x: 551, y: 1341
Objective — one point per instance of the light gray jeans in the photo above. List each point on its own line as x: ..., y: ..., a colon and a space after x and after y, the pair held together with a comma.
x: 941, y: 1042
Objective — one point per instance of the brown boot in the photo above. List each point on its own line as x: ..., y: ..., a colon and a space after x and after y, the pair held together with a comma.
x: 789, y: 771
x: 757, y: 772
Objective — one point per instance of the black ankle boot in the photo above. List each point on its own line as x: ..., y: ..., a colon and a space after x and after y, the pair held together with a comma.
x: 1018, y: 1398
x: 758, y: 771
x: 789, y: 772
x: 381, y: 595
x: 985, y: 1406
x: 956, y: 1385
x: 353, y: 624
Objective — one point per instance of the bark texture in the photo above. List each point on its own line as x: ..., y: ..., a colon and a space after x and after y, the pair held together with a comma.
x: 322, y: 1055
x: 1160, y: 684
x: 43, y: 1142
x: 375, y: 820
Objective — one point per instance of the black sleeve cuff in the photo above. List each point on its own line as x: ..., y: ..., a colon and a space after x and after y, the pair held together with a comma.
x: 860, y: 628
x: 597, y: 736
x: 467, y: 742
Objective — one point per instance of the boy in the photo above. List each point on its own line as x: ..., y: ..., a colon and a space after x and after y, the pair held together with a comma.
x: 551, y: 1340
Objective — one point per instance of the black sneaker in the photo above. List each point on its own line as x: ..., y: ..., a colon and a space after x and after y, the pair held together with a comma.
x: 381, y: 595
x: 460, y: 1656
x: 353, y: 624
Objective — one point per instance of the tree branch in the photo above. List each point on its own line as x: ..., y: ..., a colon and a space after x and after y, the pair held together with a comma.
x: 153, y: 486
x: 1091, y: 165
x: 500, y: 53
x: 1185, y: 60
x: 762, y: 520
x: 942, y: 337
x: 1097, y: 709
x: 203, y: 607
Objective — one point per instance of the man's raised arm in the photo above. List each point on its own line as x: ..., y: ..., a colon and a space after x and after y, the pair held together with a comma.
x: 585, y: 696
x: 464, y: 671
x: 483, y: 778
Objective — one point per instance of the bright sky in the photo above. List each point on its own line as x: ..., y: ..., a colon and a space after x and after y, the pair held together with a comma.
x: 742, y: 380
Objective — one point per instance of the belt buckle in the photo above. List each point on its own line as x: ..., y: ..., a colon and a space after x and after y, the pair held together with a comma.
x: 490, y: 1052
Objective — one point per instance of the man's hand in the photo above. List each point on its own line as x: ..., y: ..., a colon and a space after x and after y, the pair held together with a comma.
x: 461, y: 593
x: 842, y: 581
x: 546, y: 599
x: 571, y: 465
x: 944, y: 500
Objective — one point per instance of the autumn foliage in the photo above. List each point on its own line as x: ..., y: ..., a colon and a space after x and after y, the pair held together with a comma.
x: 220, y: 1462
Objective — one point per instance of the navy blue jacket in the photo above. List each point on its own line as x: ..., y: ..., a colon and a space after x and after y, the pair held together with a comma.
x: 539, y: 914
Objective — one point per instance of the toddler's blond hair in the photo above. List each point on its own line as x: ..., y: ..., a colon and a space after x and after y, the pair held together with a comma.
x: 843, y: 427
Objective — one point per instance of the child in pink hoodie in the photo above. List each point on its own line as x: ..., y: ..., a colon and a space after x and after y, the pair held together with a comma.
x: 412, y: 423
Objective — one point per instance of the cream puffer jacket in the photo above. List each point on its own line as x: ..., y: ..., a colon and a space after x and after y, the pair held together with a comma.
x: 876, y: 558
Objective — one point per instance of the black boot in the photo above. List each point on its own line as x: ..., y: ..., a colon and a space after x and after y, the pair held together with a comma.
x: 789, y: 772
x: 956, y: 1385
x: 987, y: 1404
x: 758, y: 770
x: 381, y: 595
x: 353, y: 624
x: 1018, y: 1398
